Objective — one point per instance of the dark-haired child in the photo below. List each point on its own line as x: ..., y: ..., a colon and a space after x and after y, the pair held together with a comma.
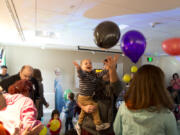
x: 55, y: 123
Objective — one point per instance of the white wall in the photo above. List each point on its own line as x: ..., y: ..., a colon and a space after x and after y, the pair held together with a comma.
x: 48, y: 59
x: 169, y: 64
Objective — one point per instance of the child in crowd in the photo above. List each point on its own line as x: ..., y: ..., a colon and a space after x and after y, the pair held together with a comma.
x: 147, y: 106
x: 87, y: 83
x: 69, y: 111
x: 55, y: 123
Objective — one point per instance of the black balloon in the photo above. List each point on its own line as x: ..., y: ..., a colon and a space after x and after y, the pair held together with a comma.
x: 107, y: 34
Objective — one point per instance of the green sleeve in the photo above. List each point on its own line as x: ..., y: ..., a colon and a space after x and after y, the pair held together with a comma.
x: 171, y: 125
x: 117, y: 126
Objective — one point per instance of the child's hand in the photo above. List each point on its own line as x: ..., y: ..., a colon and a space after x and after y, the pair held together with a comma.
x: 76, y: 65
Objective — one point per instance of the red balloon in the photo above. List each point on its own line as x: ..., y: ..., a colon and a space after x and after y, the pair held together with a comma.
x: 172, y: 46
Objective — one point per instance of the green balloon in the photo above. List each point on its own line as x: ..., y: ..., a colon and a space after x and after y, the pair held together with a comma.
x: 66, y: 92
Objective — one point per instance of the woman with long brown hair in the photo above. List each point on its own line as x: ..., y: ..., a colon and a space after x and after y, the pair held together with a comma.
x: 146, y: 110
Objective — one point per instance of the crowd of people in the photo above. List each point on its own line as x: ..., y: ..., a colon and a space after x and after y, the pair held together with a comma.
x: 148, y: 108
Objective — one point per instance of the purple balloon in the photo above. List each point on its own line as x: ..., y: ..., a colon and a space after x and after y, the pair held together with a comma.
x: 133, y: 44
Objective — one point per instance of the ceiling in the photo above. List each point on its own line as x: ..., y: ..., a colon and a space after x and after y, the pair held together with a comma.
x: 66, y: 24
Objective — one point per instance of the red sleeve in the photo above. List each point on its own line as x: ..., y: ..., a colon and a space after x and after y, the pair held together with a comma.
x: 48, y: 125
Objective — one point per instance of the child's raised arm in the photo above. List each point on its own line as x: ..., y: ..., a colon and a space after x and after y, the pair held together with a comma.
x: 81, y: 74
x: 76, y: 65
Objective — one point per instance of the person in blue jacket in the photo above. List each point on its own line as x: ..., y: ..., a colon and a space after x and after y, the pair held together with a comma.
x: 69, y: 111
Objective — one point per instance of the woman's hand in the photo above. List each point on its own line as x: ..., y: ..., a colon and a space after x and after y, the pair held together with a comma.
x: 111, y: 62
x: 34, y: 131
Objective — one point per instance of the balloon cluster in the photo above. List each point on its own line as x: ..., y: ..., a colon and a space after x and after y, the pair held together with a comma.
x: 133, y: 43
x: 127, y: 78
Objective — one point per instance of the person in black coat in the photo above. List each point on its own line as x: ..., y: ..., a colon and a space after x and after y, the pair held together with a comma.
x: 26, y: 73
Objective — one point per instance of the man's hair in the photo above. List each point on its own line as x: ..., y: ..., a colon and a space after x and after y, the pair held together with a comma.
x: 148, y: 89
x: 21, y: 87
x: 3, y: 66
x: 26, y: 66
